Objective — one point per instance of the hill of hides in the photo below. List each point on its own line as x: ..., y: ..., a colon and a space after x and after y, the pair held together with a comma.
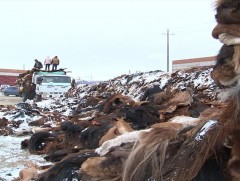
x: 145, y: 126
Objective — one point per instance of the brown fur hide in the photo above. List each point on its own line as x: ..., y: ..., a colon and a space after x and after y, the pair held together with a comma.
x: 228, y: 11
x: 91, y: 167
x: 68, y: 168
x: 29, y: 173
x: 179, y: 99
x: 121, y: 127
x: 223, y: 72
x: 224, y: 75
x: 180, y: 159
x: 161, y: 97
x: 148, y: 154
x: 168, y: 125
x: 117, y: 101
x: 94, y: 167
x: 236, y: 59
x: 234, y: 162
x: 232, y: 29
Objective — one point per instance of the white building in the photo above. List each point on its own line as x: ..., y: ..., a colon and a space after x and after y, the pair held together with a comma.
x: 194, y: 62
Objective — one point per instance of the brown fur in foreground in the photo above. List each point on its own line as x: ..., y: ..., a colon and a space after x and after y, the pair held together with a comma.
x: 148, y: 155
x: 228, y: 11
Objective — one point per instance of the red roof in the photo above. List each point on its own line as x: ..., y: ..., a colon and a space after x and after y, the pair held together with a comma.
x: 12, y: 71
x: 193, y: 60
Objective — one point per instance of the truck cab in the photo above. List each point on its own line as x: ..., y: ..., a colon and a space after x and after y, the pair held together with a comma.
x: 51, y: 84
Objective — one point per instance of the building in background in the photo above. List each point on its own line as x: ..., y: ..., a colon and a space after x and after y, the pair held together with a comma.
x: 9, y: 76
x: 194, y: 62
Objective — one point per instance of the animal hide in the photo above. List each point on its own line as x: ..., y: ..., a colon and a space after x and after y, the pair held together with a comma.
x: 228, y: 11
x: 125, y: 138
x: 185, y: 121
x: 68, y: 168
x: 180, y: 99
x: 148, y: 155
x: 120, y: 128
x: 232, y: 29
x: 234, y: 162
x: 223, y: 72
x: 236, y: 59
x: 229, y: 39
x: 224, y: 75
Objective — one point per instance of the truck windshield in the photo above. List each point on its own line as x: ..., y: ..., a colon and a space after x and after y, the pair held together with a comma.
x: 56, y: 79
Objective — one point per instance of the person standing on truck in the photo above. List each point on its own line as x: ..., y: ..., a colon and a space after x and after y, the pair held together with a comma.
x: 55, y: 63
x: 73, y: 83
x: 47, y: 63
x: 38, y: 65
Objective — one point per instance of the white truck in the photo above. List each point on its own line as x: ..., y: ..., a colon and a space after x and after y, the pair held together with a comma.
x: 51, y: 84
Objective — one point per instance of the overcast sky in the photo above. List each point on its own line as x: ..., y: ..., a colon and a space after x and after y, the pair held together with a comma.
x: 100, y: 40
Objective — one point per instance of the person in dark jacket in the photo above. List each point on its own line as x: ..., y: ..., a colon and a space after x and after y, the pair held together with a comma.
x: 73, y: 83
x: 38, y: 65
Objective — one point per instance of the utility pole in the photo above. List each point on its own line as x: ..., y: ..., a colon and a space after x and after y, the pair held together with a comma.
x: 167, y: 48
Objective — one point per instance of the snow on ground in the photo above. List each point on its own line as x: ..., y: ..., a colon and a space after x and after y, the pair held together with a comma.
x: 13, y: 159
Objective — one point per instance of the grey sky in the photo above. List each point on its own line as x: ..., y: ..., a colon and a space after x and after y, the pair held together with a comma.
x: 100, y: 39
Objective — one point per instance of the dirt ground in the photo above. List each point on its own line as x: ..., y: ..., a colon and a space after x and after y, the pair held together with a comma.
x: 9, y: 100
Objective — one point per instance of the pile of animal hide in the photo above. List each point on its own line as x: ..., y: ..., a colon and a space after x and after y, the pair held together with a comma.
x: 24, y: 82
x: 146, y: 126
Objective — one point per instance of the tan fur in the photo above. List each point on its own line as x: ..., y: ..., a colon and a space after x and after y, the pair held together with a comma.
x: 236, y: 59
x: 179, y: 99
x: 141, y: 103
x: 109, y: 135
x: 120, y: 128
x: 183, y: 98
x: 92, y: 167
x: 123, y: 127
x: 212, y: 113
x: 29, y: 173
x: 171, y: 125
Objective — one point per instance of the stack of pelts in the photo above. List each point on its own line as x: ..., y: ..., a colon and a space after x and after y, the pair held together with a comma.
x: 227, y: 69
x: 24, y: 81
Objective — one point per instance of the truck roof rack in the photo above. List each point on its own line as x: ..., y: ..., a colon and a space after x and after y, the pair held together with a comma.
x: 56, y: 72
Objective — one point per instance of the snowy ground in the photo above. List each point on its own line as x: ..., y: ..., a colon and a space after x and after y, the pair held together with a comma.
x: 13, y: 159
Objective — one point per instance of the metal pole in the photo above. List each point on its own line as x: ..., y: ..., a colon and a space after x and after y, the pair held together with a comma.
x: 168, y: 50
